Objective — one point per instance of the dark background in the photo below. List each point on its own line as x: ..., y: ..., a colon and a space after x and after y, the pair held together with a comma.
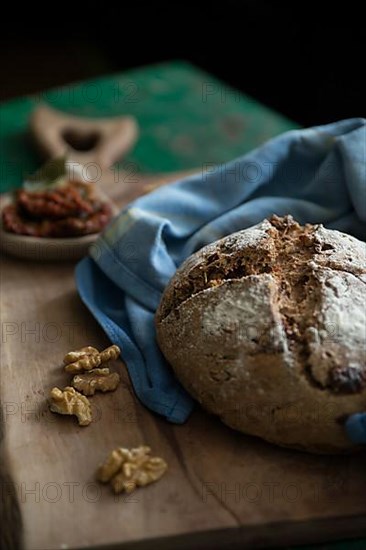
x: 306, y: 60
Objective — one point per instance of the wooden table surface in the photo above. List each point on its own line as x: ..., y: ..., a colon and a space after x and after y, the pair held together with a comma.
x: 221, y: 488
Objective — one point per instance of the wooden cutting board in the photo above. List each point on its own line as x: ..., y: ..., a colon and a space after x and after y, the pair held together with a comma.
x: 222, y: 489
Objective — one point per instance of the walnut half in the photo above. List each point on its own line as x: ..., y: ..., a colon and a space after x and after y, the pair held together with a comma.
x: 127, y: 469
x: 88, y: 358
x: 96, y: 379
x: 69, y: 401
x: 81, y: 353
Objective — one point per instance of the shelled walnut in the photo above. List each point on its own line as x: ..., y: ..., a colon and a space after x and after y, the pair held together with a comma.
x: 69, y: 401
x: 127, y: 469
x: 79, y: 354
x: 96, y: 380
x: 89, y: 358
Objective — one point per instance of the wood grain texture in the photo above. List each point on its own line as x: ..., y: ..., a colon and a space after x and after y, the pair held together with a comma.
x: 11, y: 528
x: 222, y: 488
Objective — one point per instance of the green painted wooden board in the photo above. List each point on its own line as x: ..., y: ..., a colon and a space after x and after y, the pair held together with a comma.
x: 187, y: 118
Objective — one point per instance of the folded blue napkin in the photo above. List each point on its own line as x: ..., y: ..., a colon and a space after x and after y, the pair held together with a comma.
x: 318, y: 175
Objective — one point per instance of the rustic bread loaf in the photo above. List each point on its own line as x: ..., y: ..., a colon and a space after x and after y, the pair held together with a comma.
x: 267, y: 329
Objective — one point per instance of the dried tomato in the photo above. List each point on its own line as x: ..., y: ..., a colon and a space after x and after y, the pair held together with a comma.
x: 69, y: 211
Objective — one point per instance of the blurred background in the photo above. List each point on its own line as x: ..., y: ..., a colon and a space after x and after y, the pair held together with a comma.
x: 305, y: 60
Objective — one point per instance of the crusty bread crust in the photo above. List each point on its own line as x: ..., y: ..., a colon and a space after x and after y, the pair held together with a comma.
x: 267, y: 329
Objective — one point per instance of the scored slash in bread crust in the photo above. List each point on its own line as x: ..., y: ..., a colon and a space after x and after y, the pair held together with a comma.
x: 267, y: 329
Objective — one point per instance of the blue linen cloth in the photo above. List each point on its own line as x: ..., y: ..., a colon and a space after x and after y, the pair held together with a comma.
x: 318, y: 175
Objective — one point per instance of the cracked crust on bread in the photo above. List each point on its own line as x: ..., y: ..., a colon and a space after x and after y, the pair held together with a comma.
x: 267, y: 329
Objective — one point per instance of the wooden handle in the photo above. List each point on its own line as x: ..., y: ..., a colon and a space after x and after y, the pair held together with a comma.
x: 101, y: 141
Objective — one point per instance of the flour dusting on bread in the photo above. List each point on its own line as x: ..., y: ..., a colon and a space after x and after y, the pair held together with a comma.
x: 272, y: 315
